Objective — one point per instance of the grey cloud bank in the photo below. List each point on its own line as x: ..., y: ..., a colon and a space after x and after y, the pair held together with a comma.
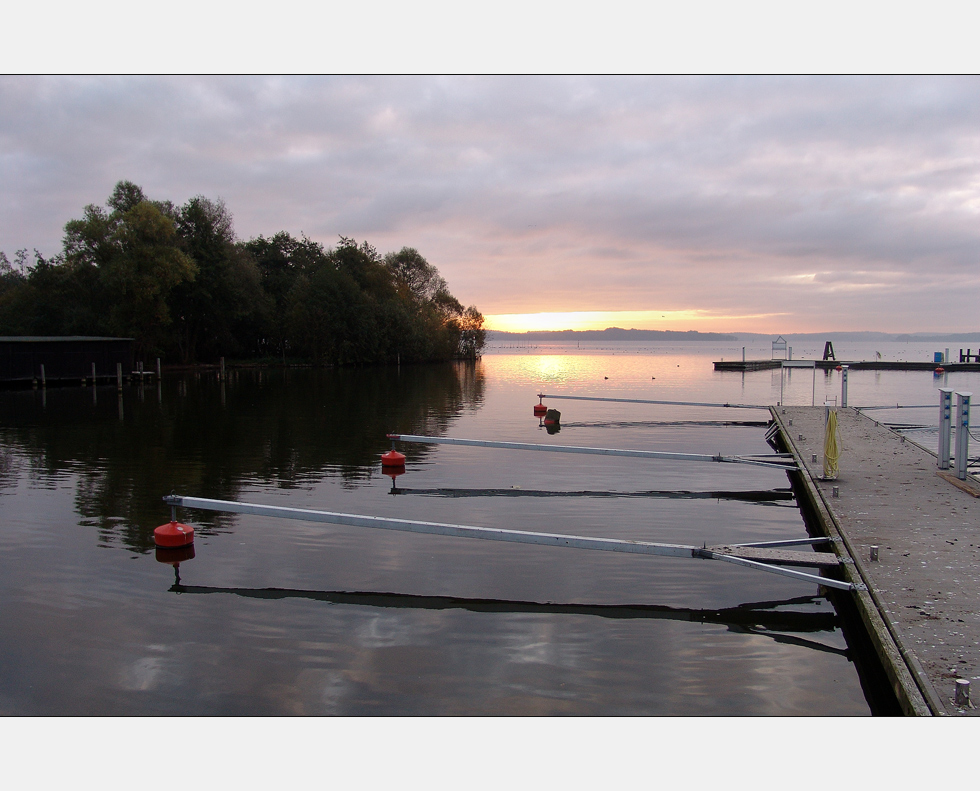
x: 844, y: 203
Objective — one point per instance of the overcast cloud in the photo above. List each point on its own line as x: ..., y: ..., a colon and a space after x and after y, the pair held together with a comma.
x: 812, y: 204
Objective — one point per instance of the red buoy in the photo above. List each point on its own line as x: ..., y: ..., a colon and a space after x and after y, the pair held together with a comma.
x: 838, y: 368
x: 392, y: 459
x: 173, y: 534
x: 940, y: 370
x: 540, y: 410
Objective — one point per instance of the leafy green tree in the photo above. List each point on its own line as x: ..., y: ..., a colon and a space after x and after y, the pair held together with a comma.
x: 417, y: 275
x: 472, y: 335
x: 281, y: 260
x: 177, y: 280
x: 134, y: 249
x: 214, y: 313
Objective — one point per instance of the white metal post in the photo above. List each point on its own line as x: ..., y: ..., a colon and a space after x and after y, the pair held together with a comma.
x: 962, y: 433
x: 945, y: 424
x: 843, y: 387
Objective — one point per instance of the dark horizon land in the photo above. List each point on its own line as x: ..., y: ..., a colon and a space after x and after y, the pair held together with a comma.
x: 620, y: 334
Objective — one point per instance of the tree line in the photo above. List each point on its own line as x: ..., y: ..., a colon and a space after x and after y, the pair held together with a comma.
x: 178, y: 281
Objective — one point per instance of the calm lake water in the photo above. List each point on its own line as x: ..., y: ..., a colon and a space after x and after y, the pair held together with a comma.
x: 284, y: 617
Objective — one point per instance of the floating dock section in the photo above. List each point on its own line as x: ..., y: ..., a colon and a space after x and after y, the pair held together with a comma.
x: 912, y: 533
x: 854, y: 365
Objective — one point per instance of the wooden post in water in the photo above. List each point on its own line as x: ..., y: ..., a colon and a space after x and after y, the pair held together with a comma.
x: 158, y: 369
x: 93, y: 374
x: 222, y: 369
x: 119, y: 377
x: 44, y: 381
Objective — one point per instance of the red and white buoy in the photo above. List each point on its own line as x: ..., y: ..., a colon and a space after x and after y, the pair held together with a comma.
x: 540, y: 408
x: 939, y: 371
x: 392, y: 459
x: 173, y: 534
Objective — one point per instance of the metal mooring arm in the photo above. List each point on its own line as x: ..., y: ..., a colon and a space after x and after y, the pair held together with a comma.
x: 782, y: 461
x: 647, y: 401
x: 495, y: 534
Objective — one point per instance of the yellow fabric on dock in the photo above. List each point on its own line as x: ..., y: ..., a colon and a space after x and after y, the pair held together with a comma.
x: 831, y: 446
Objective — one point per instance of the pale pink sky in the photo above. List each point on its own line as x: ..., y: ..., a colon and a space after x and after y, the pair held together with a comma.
x: 754, y: 203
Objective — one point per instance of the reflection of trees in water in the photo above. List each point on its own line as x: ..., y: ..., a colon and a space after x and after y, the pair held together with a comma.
x: 8, y: 467
x: 285, y: 428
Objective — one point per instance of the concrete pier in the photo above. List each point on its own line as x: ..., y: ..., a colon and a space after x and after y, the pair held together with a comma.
x: 922, y: 607
x: 854, y: 365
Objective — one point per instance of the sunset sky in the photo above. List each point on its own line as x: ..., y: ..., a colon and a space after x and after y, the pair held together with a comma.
x: 755, y: 204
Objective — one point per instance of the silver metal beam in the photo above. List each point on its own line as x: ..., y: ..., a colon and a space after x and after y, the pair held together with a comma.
x: 782, y: 461
x: 896, y: 406
x: 644, y: 401
x: 788, y: 542
x: 493, y: 534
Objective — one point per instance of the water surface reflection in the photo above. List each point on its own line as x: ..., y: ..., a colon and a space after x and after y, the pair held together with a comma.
x: 267, y: 617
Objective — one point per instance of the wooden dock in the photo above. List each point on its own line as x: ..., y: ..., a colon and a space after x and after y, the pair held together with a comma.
x: 854, y: 365
x: 922, y: 606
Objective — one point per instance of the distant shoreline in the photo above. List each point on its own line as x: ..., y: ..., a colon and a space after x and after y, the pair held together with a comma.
x: 609, y: 334
x: 619, y: 334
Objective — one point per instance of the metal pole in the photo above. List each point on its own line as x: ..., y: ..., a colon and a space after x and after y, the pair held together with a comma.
x: 896, y: 406
x: 962, y: 433
x: 495, y: 534
x: 813, y: 397
x: 843, y: 387
x: 119, y: 377
x: 782, y: 461
x: 645, y: 401
x: 945, y: 425
x: 222, y: 369
x: 93, y: 373
x: 782, y: 379
x: 44, y: 381
x: 158, y: 368
x: 743, y: 354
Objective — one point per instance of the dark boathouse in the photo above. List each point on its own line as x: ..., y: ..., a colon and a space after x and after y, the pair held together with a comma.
x: 64, y: 357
